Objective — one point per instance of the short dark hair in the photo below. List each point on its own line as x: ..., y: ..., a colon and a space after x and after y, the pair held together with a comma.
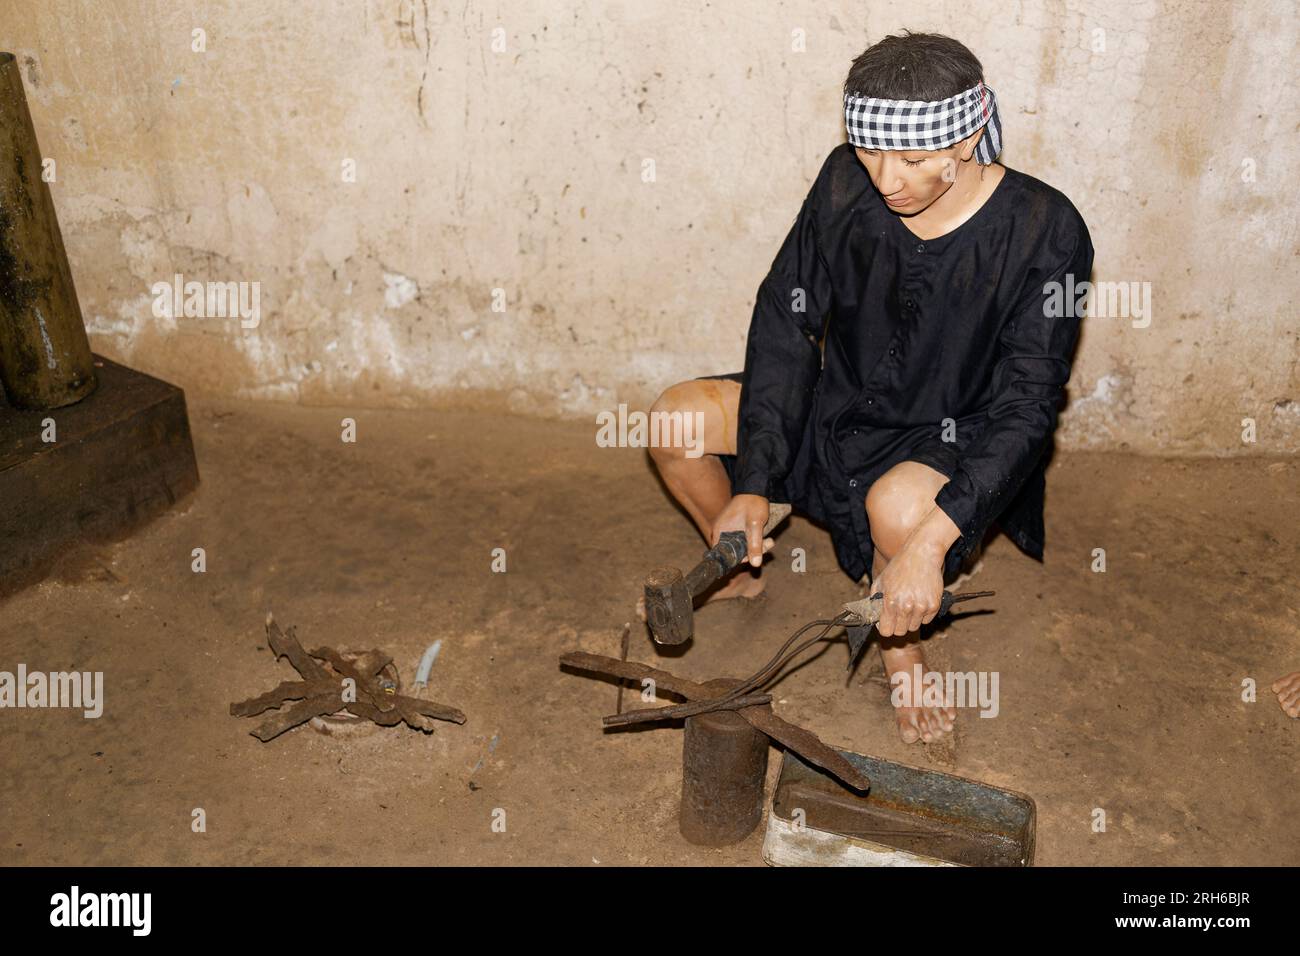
x: 914, y: 66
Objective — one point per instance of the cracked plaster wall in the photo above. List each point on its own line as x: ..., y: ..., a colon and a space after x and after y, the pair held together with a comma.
x: 520, y: 170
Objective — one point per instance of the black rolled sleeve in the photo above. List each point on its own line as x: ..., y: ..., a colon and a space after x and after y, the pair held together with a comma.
x: 783, y: 357
x: 1035, y: 352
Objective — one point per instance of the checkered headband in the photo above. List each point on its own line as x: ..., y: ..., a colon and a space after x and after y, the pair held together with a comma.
x: 911, y: 124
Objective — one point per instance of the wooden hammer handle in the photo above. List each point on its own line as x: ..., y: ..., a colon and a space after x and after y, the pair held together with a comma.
x: 776, y: 513
x: 730, y: 552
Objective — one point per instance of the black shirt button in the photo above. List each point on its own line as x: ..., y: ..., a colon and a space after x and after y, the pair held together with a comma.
x: 871, y: 401
x: 893, y: 351
x: 853, y: 483
x: 920, y: 247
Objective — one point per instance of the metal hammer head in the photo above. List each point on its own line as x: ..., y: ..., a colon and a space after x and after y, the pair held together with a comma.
x: 669, y: 608
x: 670, y: 594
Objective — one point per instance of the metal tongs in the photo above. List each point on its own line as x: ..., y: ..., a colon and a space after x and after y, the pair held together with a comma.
x: 860, y: 616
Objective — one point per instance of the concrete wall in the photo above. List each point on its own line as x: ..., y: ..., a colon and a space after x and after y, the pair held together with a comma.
x: 1171, y: 125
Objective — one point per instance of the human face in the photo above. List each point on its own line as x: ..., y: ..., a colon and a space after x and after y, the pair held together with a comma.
x: 911, y: 180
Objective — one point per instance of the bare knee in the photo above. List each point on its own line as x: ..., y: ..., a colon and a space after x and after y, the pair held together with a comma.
x: 703, y: 411
x: 676, y: 400
x: 898, y: 501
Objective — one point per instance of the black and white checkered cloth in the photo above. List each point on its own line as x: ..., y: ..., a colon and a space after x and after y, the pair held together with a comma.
x: 910, y: 124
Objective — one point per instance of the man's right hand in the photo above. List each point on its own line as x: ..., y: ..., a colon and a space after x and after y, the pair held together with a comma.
x: 747, y: 513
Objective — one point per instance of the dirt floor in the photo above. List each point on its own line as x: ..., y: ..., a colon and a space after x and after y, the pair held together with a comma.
x: 1119, y: 690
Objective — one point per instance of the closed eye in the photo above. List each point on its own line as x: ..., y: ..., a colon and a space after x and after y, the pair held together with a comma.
x: 906, y: 161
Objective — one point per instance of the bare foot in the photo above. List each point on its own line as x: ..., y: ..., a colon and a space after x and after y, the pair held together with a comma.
x: 914, y: 723
x: 743, y: 584
x: 1288, y: 693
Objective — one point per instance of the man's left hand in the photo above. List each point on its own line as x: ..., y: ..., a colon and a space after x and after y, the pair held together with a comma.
x: 912, y: 585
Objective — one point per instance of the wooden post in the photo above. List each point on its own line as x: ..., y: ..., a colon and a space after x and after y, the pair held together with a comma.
x: 45, y: 357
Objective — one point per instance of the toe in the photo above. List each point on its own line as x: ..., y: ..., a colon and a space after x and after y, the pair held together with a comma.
x: 927, y: 729
x: 907, y: 728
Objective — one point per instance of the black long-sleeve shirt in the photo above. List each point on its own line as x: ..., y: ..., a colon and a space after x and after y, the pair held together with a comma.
x: 947, y: 349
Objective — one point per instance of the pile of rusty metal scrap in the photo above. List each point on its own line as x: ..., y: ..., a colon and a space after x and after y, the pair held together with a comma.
x: 332, y: 683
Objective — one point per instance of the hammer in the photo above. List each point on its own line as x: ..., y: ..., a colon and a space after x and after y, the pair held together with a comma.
x: 670, y: 595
